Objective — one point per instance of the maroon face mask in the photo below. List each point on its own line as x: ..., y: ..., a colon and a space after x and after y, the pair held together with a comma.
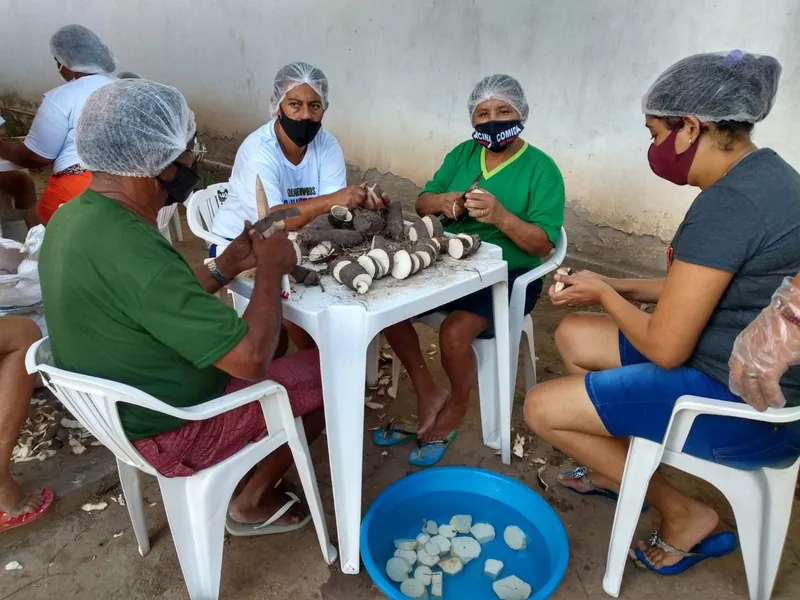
x: 667, y: 163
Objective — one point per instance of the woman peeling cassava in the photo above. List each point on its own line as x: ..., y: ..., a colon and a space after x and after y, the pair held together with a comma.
x: 298, y: 162
x: 514, y: 198
x: 740, y: 238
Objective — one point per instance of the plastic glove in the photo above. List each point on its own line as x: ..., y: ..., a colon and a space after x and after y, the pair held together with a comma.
x: 765, y: 350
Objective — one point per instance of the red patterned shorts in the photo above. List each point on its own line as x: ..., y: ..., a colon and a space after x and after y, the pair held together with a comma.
x: 202, y: 444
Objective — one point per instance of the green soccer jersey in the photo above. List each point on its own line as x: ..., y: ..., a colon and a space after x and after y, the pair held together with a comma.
x: 123, y: 304
x: 529, y: 185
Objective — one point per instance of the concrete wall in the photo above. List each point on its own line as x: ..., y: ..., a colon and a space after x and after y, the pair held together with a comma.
x: 400, y: 73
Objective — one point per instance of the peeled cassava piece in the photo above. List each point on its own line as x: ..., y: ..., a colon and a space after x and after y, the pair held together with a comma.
x: 560, y: 285
x: 436, y: 584
x: 463, y: 245
x: 465, y: 548
x: 410, y: 556
x: 493, y: 568
x: 418, y: 231
x: 451, y: 566
x: 512, y: 588
x: 515, y: 538
x: 413, y: 588
x: 404, y: 544
x: 379, y: 251
x: 425, y: 559
x: 397, y: 569
x: 423, y: 574
x: 340, y: 216
x: 353, y: 275
x: 461, y: 523
x: 483, y: 532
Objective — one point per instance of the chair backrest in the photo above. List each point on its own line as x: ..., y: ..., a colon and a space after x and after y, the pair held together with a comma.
x: 201, y: 210
x: 93, y: 402
x: 164, y: 217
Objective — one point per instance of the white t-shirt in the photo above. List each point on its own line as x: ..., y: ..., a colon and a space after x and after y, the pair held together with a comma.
x: 321, y: 172
x: 52, y: 133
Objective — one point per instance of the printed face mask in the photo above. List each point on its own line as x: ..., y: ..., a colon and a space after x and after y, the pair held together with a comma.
x: 497, y: 135
x: 182, y: 185
x: 667, y: 163
x: 301, y: 132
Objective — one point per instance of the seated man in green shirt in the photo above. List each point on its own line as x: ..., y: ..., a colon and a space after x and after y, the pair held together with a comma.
x: 123, y: 304
x: 515, y: 199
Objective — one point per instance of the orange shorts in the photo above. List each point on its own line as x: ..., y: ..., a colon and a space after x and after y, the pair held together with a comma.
x: 60, y: 189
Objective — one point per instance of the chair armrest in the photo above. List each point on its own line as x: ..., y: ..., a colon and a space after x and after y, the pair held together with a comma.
x: 259, y: 391
x: 521, y: 284
x: 688, y: 408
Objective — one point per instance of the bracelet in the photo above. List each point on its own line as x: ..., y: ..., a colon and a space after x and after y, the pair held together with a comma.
x: 788, y: 314
x: 218, y: 275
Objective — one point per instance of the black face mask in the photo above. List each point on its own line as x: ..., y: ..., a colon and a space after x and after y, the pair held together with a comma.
x: 496, y: 136
x: 300, y: 132
x: 182, y: 185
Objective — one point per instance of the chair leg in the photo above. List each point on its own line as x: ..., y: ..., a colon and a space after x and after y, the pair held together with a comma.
x: 196, y: 509
x: 643, y: 458
x: 529, y: 352
x: 298, y: 444
x: 780, y: 486
x: 175, y: 223
x: 130, y: 478
x: 487, y: 391
x: 239, y: 303
x: 396, y: 370
x: 373, y: 357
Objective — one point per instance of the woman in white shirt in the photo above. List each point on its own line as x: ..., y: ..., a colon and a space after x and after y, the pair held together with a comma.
x: 84, y: 61
x: 297, y: 160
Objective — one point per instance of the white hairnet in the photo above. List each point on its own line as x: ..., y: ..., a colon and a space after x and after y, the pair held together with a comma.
x: 724, y: 86
x: 499, y: 87
x: 294, y: 74
x: 80, y: 50
x: 133, y: 127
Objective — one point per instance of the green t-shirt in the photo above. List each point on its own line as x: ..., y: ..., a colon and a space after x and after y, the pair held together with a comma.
x: 528, y: 184
x: 123, y: 304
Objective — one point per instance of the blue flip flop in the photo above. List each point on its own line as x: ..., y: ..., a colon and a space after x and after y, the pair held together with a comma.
x: 581, y: 474
x: 714, y: 546
x: 428, y: 454
x: 392, y: 435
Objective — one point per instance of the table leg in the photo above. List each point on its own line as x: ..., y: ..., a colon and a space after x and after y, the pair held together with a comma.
x: 343, y: 340
x: 502, y: 344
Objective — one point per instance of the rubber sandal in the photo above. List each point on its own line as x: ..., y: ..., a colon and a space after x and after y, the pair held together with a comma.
x: 428, y: 454
x: 392, y: 435
x: 8, y: 521
x: 581, y: 474
x: 714, y: 546
x: 267, y: 527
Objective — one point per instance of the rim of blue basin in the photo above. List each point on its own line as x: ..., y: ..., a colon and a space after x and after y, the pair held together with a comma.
x: 516, y: 495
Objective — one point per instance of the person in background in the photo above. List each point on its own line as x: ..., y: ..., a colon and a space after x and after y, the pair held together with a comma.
x: 298, y: 162
x: 84, y: 62
x: 18, y: 184
x: 127, y: 75
x: 518, y: 205
x: 767, y: 348
x: 17, y: 334
x: 136, y: 313
x: 739, y: 239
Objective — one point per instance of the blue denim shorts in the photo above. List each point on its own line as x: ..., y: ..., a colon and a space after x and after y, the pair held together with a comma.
x: 480, y: 302
x: 637, y: 400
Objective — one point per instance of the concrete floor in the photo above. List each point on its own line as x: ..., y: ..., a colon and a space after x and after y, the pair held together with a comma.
x: 71, y: 554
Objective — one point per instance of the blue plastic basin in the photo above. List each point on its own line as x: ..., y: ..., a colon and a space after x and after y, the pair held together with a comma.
x: 438, y: 494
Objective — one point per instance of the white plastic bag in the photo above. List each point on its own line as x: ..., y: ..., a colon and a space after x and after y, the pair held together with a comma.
x: 20, y: 292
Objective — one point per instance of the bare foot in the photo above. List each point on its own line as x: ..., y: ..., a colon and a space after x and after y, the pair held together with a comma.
x: 241, y: 511
x: 14, y: 502
x: 595, y: 481
x: 683, y: 530
x: 429, y: 409
x: 448, y: 419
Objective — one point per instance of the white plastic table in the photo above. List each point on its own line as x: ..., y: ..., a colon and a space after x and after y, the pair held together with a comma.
x: 343, y: 324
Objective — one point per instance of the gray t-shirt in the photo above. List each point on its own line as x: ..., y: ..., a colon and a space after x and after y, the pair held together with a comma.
x: 748, y: 223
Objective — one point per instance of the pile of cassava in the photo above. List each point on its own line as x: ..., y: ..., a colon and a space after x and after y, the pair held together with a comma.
x: 361, y: 245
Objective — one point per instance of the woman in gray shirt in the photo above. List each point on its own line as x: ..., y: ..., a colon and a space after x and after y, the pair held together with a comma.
x: 740, y: 238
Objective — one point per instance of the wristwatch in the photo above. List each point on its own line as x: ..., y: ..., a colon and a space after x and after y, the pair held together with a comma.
x: 216, y: 273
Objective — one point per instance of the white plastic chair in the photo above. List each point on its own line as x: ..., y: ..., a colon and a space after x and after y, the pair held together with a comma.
x: 201, y: 210
x: 166, y: 217
x: 761, y: 499
x: 521, y: 323
x: 196, y: 506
